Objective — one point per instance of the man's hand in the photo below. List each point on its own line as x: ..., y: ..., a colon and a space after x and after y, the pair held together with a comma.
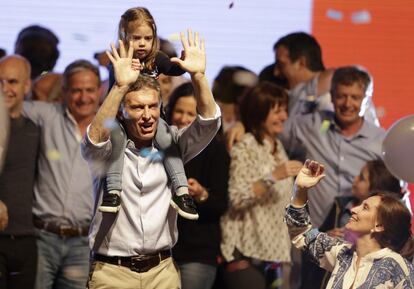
x: 234, y: 134
x: 126, y: 69
x: 310, y: 175
x: 193, y: 58
x: 287, y: 169
x: 4, y: 216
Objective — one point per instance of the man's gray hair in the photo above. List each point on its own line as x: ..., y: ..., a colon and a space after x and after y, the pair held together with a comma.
x: 77, y: 66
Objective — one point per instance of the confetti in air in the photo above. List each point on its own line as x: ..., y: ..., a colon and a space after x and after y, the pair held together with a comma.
x: 231, y: 5
x: 110, y: 123
x: 380, y: 111
x: 156, y: 156
x: 53, y: 155
x: 311, y: 98
x: 174, y: 37
x: 80, y: 37
x: 325, y: 126
x: 334, y: 14
x: 361, y: 17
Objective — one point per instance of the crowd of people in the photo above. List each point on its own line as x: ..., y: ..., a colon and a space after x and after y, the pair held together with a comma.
x: 152, y: 180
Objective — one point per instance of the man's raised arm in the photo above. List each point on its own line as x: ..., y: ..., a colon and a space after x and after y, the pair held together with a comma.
x: 194, y: 62
x: 126, y: 72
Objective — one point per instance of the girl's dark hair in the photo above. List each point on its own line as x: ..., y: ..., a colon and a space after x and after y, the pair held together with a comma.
x: 185, y: 89
x: 256, y: 105
x: 396, y: 220
x: 138, y: 16
x: 380, y: 178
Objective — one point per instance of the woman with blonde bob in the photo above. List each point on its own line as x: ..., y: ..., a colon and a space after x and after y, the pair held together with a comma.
x: 384, y: 243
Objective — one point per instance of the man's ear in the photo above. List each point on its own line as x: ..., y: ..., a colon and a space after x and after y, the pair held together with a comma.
x: 303, y: 62
x: 27, y: 86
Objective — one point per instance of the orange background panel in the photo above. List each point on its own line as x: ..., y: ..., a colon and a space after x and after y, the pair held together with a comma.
x: 384, y: 45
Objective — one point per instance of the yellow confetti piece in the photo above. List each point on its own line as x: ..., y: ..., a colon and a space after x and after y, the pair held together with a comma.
x: 174, y: 37
x: 53, y: 155
x: 325, y: 126
x: 277, y: 283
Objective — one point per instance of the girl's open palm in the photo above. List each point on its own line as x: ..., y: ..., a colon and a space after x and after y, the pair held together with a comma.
x: 126, y: 69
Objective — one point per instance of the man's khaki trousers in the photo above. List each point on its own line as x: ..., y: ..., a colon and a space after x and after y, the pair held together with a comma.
x: 108, y: 276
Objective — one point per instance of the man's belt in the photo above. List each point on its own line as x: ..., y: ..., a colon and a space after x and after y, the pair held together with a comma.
x: 140, y: 263
x: 60, y: 229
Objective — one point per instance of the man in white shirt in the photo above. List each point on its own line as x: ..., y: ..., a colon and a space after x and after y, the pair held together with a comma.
x: 134, y: 245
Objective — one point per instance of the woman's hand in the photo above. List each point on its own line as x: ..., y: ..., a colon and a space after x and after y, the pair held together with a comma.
x: 310, y: 175
x: 126, y: 69
x: 197, y: 191
x: 287, y: 169
x: 234, y: 134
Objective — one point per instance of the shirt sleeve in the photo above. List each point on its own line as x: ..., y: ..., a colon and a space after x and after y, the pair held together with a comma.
x: 97, y: 155
x: 40, y: 112
x: 322, y: 248
x: 195, y: 137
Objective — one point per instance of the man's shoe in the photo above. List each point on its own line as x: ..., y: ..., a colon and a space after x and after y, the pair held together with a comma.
x: 111, y: 203
x: 184, y: 205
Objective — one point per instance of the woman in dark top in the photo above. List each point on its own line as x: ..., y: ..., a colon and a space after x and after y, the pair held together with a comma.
x: 199, y: 242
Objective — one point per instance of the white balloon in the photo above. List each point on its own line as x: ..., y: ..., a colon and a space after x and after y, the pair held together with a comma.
x: 398, y: 149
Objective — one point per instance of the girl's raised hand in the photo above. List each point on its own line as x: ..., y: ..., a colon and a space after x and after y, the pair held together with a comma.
x: 193, y: 58
x: 126, y: 69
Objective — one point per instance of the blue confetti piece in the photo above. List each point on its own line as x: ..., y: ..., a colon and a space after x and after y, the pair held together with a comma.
x: 334, y: 15
x: 110, y: 123
x: 157, y: 156
x: 361, y: 17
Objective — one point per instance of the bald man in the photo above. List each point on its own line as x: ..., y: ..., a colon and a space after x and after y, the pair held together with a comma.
x: 18, y: 251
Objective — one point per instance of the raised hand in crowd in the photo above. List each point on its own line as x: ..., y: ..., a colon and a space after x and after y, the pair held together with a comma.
x: 193, y: 58
x: 309, y: 176
x: 126, y: 68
